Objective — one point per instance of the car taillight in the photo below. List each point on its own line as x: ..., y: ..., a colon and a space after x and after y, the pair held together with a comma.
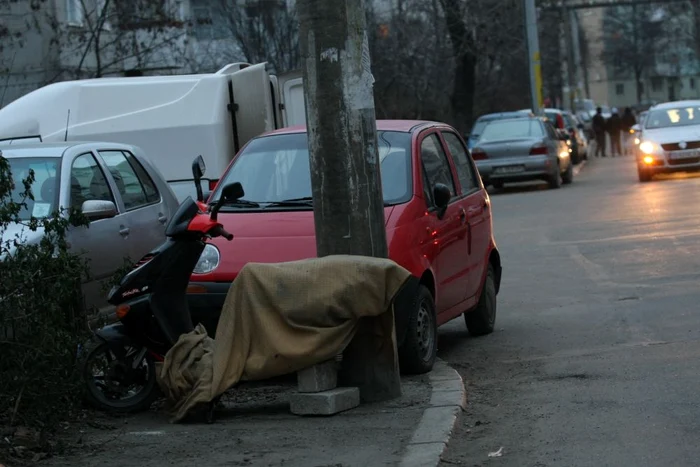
x: 479, y: 154
x: 144, y: 260
x: 539, y: 150
x: 212, y: 184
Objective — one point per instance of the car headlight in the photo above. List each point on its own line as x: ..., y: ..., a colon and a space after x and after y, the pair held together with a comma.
x: 208, y: 260
x: 647, y: 147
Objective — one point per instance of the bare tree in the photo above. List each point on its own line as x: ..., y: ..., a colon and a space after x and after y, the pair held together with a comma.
x: 263, y: 31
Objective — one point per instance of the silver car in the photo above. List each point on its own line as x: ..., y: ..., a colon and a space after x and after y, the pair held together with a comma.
x: 522, y: 149
x: 124, y: 196
x: 670, y: 140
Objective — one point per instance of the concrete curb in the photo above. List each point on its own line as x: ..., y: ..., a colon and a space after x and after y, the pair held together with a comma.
x: 447, y: 399
x: 578, y: 168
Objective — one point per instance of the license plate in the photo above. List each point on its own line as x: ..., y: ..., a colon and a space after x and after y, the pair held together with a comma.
x: 692, y: 153
x: 509, y: 169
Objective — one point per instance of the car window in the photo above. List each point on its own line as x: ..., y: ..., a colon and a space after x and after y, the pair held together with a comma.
x: 465, y: 169
x: 276, y: 168
x: 501, y: 130
x: 435, y: 163
x: 88, y: 182
x: 551, y: 132
x: 147, y: 182
x: 44, y: 189
x: 135, y: 191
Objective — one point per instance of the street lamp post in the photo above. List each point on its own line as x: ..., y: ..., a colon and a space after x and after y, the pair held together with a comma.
x: 533, y: 56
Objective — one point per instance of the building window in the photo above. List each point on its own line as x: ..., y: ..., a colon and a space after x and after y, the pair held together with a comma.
x: 74, y: 12
x: 656, y: 84
x: 691, y: 83
x: 620, y: 89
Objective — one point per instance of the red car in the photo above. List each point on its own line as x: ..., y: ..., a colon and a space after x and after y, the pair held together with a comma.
x: 438, y: 222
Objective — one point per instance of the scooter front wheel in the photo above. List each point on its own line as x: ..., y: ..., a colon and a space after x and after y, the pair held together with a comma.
x: 120, y: 384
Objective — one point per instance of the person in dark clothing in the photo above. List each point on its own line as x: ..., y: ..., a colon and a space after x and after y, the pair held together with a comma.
x: 615, y: 130
x: 599, y: 130
x: 628, y: 121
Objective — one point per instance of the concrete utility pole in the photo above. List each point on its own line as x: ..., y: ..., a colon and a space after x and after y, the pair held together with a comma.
x: 345, y: 178
x: 576, y: 44
x: 533, y: 47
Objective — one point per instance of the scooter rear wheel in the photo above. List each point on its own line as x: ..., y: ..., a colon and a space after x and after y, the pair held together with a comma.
x: 120, y: 388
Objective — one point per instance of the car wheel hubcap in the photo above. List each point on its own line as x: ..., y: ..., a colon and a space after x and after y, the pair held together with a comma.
x: 424, y: 330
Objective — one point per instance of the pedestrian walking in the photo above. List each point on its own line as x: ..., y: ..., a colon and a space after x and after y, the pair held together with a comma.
x: 628, y: 121
x: 614, y: 127
x: 599, y: 131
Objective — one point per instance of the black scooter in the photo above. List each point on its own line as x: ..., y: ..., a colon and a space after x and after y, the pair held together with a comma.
x: 151, y: 306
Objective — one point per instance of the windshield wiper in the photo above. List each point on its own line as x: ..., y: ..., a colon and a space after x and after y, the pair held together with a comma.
x: 305, y: 201
x: 242, y: 202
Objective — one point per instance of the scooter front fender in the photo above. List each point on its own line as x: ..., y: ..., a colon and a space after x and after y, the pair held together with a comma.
x: 115, y: 336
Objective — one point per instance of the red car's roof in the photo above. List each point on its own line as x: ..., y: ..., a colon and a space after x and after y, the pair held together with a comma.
x: 382, y: 125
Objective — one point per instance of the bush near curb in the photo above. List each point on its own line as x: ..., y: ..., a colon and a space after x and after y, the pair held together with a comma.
x: 42, y: 317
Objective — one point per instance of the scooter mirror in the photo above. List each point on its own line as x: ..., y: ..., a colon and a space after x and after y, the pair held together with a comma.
x: 198, y: 169
x: 232, y: 191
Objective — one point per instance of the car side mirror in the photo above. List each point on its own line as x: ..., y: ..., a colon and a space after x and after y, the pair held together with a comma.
x: 636, y: 128
x: 198, y: 169
x: 441, y: 196
x: 98, y: 209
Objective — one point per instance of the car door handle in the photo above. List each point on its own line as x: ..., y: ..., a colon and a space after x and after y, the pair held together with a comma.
x: 124, y: 231
x: 462, y: 216
x: 162, y: 218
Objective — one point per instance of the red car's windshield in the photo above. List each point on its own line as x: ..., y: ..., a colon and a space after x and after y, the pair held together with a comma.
x: 276, y: 168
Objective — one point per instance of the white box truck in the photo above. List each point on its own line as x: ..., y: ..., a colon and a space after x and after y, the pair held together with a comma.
x: 172, y: 118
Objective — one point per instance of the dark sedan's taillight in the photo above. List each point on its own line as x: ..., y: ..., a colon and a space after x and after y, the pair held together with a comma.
x: 479, y: 154
x: 539, y: 150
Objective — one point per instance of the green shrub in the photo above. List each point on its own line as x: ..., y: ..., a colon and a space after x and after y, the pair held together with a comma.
x: 42, y: 319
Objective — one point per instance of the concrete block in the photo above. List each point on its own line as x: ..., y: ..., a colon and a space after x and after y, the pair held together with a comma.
x: 326, y: 402
x: 448, y: 399
x: 317, y: 378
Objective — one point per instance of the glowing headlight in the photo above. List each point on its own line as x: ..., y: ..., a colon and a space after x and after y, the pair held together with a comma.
x: 637, y: 141
x: 648, y: 160
x: 647, y: 147
x: 208, y: 260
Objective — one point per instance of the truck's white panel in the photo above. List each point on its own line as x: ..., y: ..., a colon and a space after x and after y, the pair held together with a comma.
x: 254, y: 109
x: 292, y: 96
x: 172, y: 118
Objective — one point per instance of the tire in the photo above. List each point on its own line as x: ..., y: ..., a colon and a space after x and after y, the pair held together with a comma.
x: 555, y: 180
x: 418, y: 352
x: 98, y: 398
x: 498, y: 185
x: 568, y: 176
x: 482, y: 319
x: 644, y: 175
x: 576, y: 155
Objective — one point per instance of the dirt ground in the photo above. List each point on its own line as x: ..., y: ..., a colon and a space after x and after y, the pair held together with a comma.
x: 255, y: 428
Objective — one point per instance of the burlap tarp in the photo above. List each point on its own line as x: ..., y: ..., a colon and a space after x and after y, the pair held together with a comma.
x: 277, y: 319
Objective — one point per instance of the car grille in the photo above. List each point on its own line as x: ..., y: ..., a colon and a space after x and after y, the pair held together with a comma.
x: 691, y: 160
x: 675, y: 147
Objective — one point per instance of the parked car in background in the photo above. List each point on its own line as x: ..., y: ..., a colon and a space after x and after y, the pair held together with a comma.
x: 481, y: 122
x: 438, y: 225
x: 670, y: 139
x: 587, y: 120
x: 524, y: 149
x: 125, y: 198
x: 566, y: 124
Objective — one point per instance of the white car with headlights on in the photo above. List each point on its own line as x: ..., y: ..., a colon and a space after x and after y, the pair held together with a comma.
x: 670, y: 139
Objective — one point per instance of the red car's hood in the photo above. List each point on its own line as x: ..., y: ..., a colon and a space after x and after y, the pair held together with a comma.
x: 264, y: 237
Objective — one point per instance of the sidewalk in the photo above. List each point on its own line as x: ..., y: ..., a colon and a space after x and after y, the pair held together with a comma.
x: 257, y: 429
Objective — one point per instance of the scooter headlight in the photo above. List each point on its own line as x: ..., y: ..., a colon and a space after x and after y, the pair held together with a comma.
x: 208, y: 260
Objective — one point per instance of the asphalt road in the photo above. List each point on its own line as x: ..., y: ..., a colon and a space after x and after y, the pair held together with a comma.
x: 595, y: 359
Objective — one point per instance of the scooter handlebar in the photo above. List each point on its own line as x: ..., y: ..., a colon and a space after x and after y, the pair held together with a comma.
x: 219, y: 231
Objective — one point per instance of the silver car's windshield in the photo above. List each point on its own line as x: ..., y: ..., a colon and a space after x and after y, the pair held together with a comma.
x: 512, y: 129
x: 675, y: 117
x: 275, y: 168
x: 44, y: 189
